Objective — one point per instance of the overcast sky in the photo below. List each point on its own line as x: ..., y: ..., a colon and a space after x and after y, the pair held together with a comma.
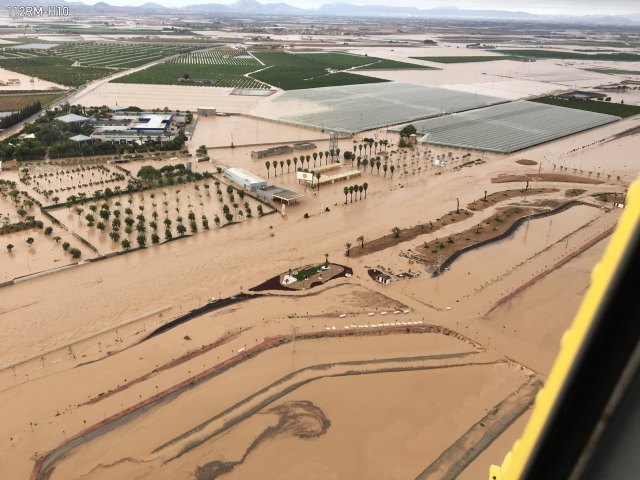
x: 573, y: 7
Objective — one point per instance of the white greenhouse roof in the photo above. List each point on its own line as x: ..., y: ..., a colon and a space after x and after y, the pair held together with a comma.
x: 356, y: 108
x: 508, y: 127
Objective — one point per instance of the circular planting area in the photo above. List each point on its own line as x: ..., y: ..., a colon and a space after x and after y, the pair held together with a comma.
x: 306, y: 277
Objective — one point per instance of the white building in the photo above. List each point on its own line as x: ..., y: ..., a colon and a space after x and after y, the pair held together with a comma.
x: 244, y: 178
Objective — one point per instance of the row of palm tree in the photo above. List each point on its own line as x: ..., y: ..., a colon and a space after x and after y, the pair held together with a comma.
x: 357, y: 189
x: 348, y: 245
x: 370, y: 142
x: 326, y: 155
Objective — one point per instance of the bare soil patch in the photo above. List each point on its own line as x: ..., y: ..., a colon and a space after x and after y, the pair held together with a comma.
x: 526, y: 162
x: 435, y: 252
x: 497, y: 197
x: 410, y: 233
x: 545, y: 177
x: 574, y: 192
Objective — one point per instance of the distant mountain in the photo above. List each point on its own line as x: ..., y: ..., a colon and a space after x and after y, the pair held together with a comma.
x: 253, y: 7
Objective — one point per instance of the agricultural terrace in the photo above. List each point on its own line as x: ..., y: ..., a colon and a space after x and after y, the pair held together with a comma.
x: 235, y: 68
x: 174, y: 203
x: 121, y: 55
x: 465, y: 59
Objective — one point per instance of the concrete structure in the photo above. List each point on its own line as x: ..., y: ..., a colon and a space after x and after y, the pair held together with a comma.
x: 270, y: 152
x: 206, y: 111
x: 304, y: 146
x: 272, y: 193
x: 72, y: 118
x: 244, y: 178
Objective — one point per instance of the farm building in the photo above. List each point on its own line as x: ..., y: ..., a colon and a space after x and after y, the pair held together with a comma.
x: 151, y: 124
x: 72, y: 118
x: 272, y: 193
x: 244, y: 178
x: 80, y: 138
x: 270, y: 152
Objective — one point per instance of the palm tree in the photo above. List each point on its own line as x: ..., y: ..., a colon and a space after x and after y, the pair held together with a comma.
x: 288, y: 164
x: 365, y: 162
x: 318, y: 175
x: 355, y: 190
x: 346, y: 192
x: 392, y: 169
x: 30, y: 241
x: 321, y: 154
x: 281, y: 167
x: 347, y: 246
x: 360, y: 148
x: 275, y: 168
x: 365, y: 186
x: 9, y: 248
x: 360, y: 189
x: 396, y: 232
x: 295, y: 163
x: 385, y: 167
x: 378, y: 164
x: 315, y: 157
x: 360, y: 240
x: 268, y: 165
x: 351, y: 193
x: 355, y: 147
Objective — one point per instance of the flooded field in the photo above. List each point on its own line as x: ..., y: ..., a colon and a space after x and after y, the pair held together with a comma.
x: 349, y: 379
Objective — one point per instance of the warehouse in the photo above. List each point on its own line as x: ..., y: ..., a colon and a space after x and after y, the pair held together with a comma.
x: 244, y: 178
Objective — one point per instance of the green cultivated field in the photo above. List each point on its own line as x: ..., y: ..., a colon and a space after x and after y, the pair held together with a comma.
x: 284, y: 70
x: 613, y: 71
x: 467, y: 59
x: 613, y: 57
x: 122, y: 55
x: 11, y: 100
x: 171, y: 73
x: 54, y: 69
x: 94, y: 59
x: 617, y: 109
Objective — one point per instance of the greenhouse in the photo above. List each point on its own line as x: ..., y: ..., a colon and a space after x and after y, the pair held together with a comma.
x: 356, y: 108
x: 508, y: 127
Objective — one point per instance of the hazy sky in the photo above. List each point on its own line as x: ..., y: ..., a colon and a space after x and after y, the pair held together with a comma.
x: 574, y: 7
